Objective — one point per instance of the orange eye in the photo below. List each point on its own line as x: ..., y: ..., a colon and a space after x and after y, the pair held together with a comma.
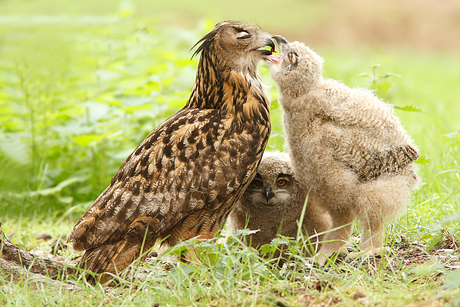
x: 258, y: 183
x: 292, y: 56
x: 281, y: 182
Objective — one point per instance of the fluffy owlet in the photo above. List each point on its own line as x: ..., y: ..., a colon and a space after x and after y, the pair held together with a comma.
x: 183, y: 180
x: 347, y: 145
x: 273, y: 204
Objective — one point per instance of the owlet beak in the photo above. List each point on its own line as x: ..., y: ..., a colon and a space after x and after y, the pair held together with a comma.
x: 268, y: 193
x: 280, y: 41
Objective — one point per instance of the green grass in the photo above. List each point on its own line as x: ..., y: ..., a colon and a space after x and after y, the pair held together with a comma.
x: 76, y: 97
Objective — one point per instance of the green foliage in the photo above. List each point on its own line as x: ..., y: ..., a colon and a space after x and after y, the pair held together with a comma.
x: 380, y: 85
x: 75, y: 108
x: 233, y: 274
x: 452, y: 285
x: 77, y: 97
x: 378, y: 82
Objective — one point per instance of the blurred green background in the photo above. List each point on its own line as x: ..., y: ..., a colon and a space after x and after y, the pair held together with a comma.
x: 83, y: 82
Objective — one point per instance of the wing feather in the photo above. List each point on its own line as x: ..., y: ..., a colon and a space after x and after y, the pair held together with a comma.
x: 193, y: 160
x: 363, y: 132
x: 369, y: 162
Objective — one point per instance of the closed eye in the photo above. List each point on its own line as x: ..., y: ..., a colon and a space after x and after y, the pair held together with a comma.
x: 243, y: 35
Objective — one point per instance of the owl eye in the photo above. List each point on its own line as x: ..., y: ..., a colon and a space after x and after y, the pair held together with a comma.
x: 258, y: 183
x: 281, y: 182
x: 242, y: 35
x: 292, y: 56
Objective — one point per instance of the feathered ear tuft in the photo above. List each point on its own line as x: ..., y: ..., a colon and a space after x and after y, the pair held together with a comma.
x: 206, y: 40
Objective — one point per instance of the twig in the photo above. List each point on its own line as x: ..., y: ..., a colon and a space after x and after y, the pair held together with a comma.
x: 33, y: 263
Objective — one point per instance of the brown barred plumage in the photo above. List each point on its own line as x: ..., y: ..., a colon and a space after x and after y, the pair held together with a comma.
x: 391, y: 161
x: 185, y: 177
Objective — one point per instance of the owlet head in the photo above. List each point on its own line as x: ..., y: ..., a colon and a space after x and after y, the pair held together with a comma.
x: 297, y: 69
x: 274, y: 183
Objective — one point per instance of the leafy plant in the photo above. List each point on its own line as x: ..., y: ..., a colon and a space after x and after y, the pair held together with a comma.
x: 78, y: 95
x: 78, y: 108
x: 380, y: 85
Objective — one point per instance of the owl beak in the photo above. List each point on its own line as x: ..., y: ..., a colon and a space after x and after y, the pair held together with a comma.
x: 268, y: 193
x: 281, y: 42
x: 268, y: 48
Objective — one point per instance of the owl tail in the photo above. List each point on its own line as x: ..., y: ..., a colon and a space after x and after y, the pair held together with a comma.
x: 110, y: 258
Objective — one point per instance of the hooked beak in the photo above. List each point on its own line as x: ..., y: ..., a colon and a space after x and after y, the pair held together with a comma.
x: 267, y: 51
x: 268, y: 193
x: 281, y: 42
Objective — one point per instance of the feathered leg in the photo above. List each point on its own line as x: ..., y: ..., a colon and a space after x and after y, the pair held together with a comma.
x: 379, y: 201
x: 342, y: 226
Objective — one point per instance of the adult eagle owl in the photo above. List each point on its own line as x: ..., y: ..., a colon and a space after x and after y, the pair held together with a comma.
x: 347, y: 145
x: 183, y: 180
x: 274, y: 201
